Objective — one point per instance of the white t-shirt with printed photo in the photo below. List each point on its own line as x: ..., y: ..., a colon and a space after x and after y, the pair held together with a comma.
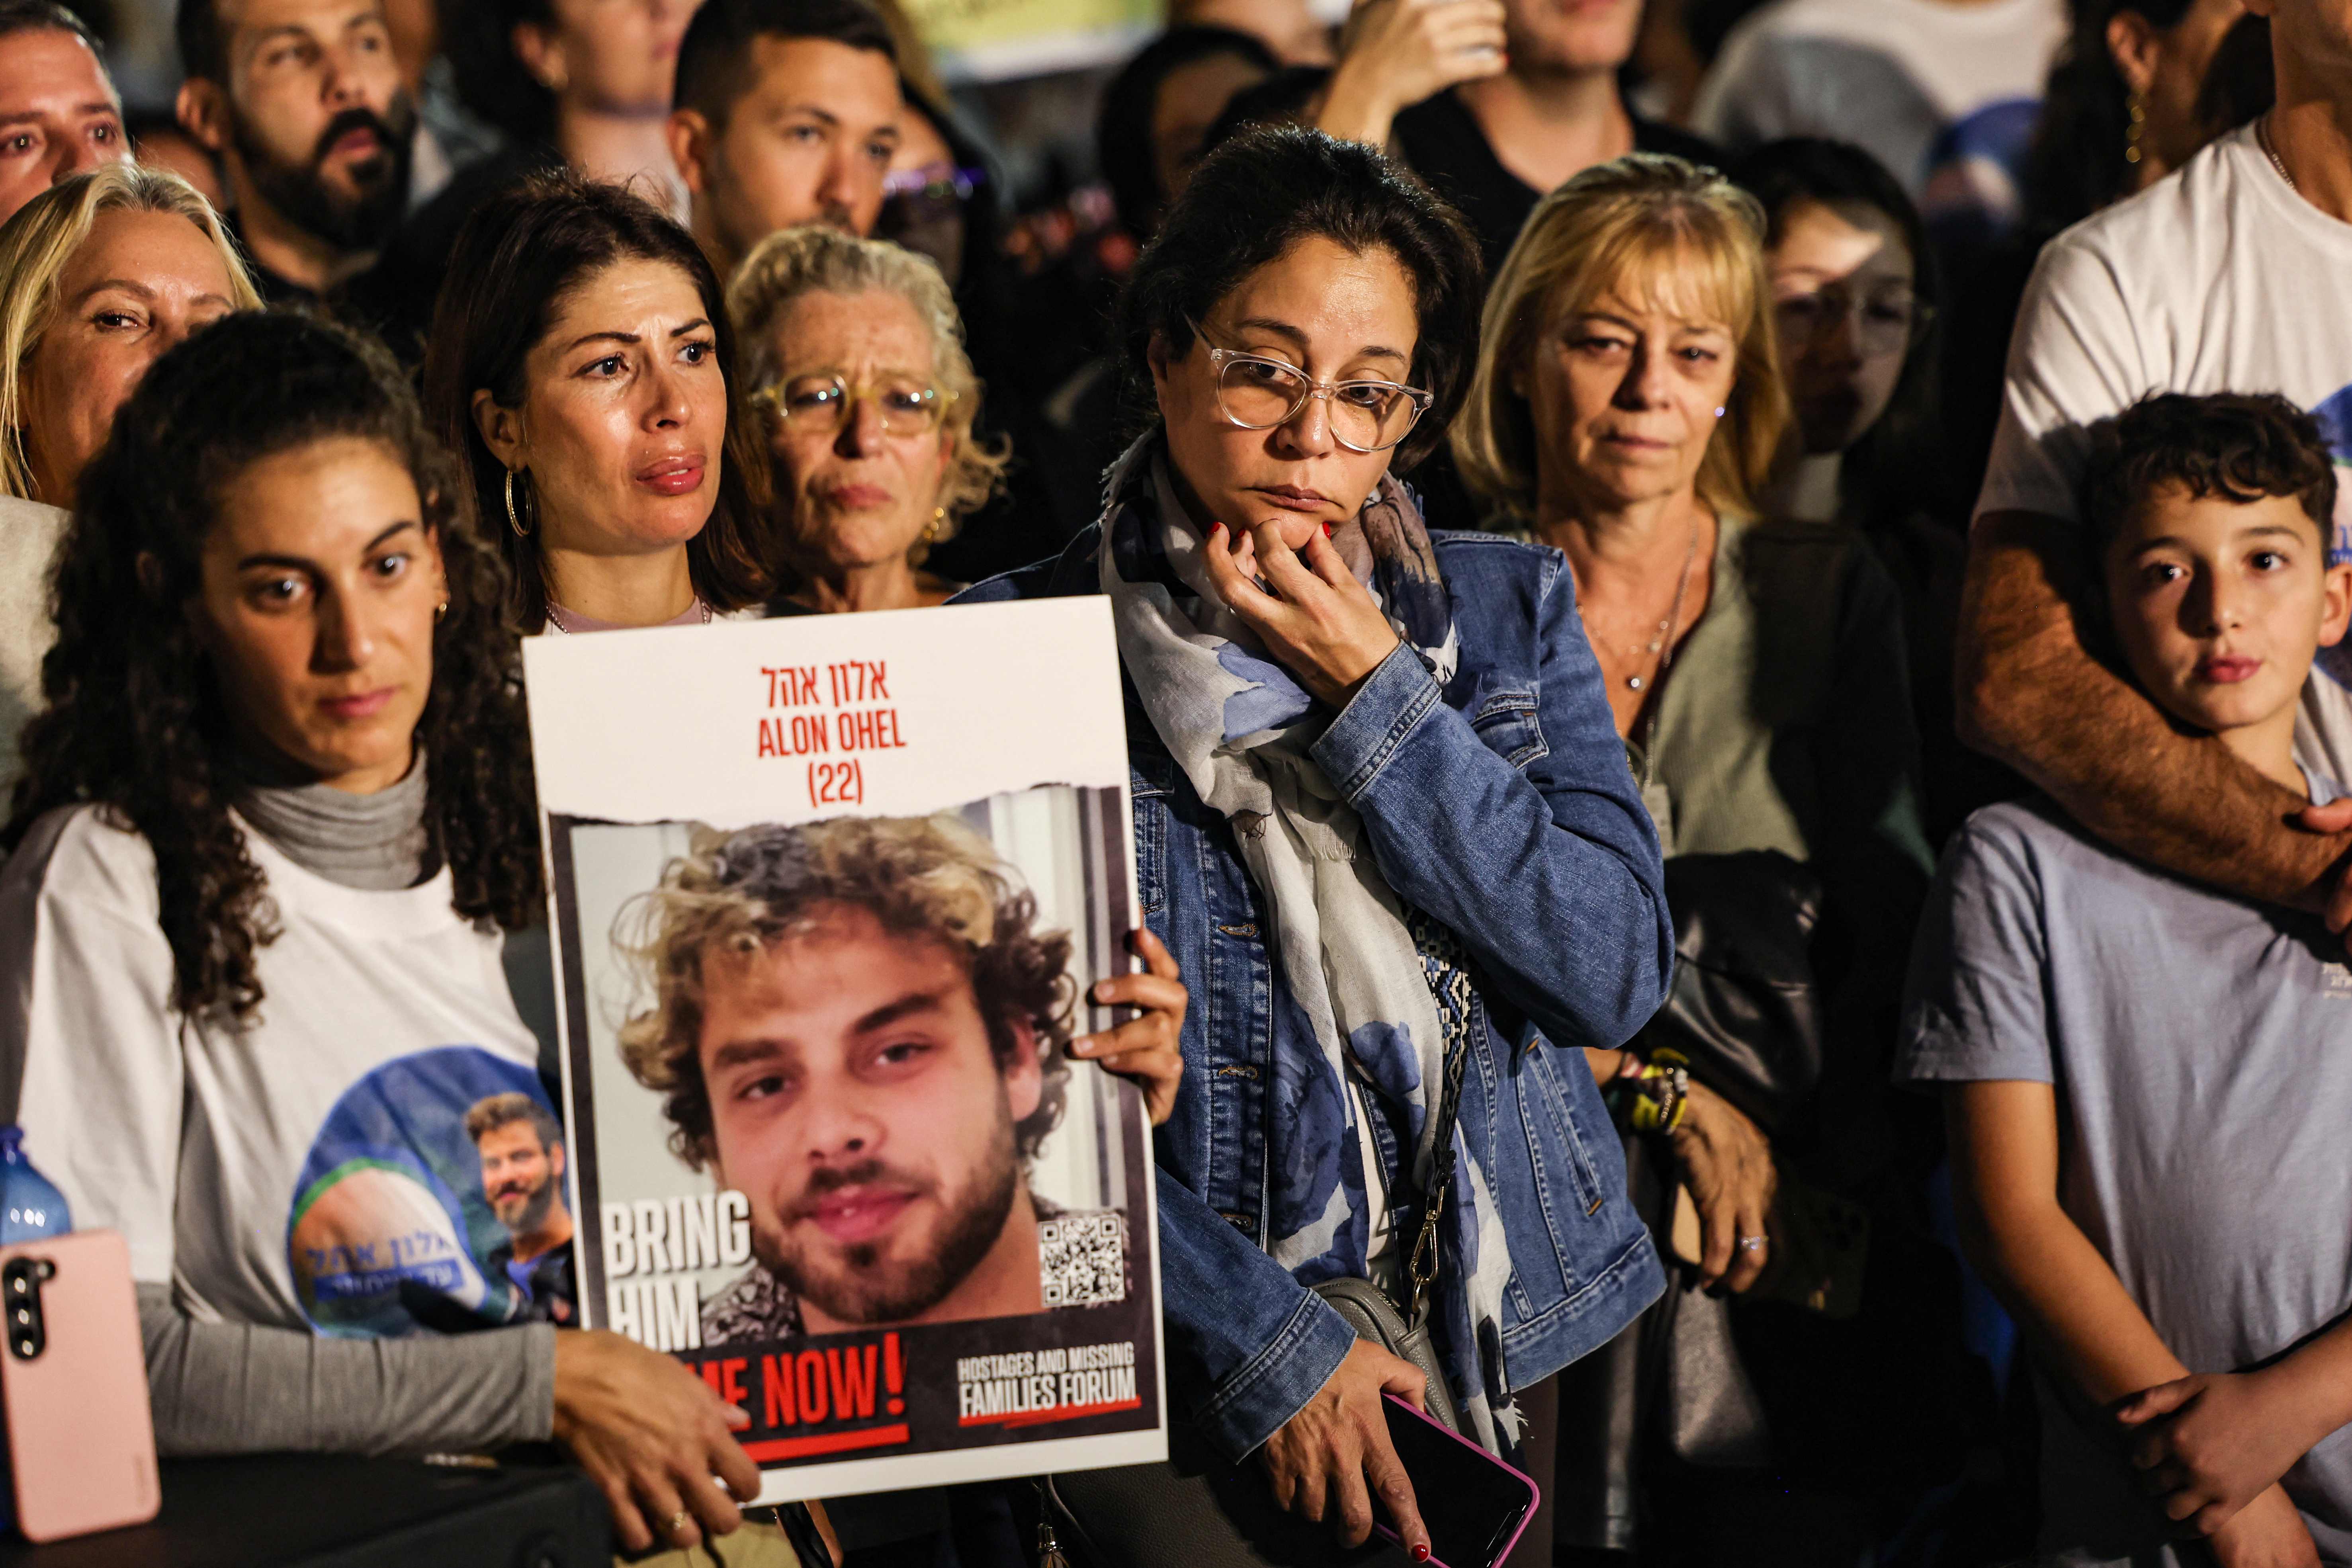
x: 309, y: 1170
x: 2219, y: 278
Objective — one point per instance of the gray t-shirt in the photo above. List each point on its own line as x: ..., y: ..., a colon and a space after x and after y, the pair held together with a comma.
x: 2202, y: 1048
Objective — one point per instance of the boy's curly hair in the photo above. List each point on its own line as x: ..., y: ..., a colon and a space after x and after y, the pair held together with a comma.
x: 2242, y: 447
x: 922, y: 877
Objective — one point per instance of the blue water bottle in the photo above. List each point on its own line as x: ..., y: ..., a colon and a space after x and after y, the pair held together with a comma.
x: 31, y: 1206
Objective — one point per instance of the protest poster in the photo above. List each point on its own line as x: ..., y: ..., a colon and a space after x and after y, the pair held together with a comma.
x: 828, y: 895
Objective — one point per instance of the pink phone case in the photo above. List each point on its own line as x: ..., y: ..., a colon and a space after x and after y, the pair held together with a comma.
x: 81, y: 1444
x: 1535, y: 1492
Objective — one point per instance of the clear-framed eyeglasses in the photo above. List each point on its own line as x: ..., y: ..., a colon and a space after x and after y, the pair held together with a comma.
x: 820, y: 402
x: 1257, y: 393
x: 1886, y: 321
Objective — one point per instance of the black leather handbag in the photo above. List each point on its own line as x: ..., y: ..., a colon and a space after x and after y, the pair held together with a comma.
x: 1745, y: 1010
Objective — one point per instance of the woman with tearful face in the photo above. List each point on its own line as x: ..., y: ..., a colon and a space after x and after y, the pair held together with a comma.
x: 582, y: 362
x: 250, y: 971
x: 1384, y: 822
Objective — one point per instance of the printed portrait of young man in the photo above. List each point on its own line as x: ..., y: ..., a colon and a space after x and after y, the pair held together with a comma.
x: 855, y: 1024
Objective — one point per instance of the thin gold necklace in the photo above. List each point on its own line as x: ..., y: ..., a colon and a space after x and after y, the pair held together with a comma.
x: 1664, y: 645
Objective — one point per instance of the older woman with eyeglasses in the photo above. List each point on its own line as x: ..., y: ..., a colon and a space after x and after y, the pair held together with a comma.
x: 857, y: 360
x: 1383, y: 821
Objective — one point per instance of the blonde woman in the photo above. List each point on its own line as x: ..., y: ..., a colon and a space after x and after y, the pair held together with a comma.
x: 1626, y: 409
x: 98, y: 274
x: 855, y: 353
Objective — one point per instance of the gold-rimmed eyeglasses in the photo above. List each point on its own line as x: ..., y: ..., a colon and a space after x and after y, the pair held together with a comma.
x: 820, y: 401
x: 1257, y: 393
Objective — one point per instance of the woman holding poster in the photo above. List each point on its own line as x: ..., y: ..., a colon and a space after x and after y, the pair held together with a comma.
x: 1383, y: 819
x: 252, y: 1009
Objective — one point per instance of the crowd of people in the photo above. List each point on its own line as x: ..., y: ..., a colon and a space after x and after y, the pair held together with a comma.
x: 1730, y: 620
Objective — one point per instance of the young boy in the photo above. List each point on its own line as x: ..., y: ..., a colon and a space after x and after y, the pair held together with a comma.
x: 2148, y: 1084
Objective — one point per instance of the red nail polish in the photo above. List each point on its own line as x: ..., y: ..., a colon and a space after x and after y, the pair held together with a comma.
x: 1216, y: 527
x: 1326, y: 530
x: 1421, y: 1553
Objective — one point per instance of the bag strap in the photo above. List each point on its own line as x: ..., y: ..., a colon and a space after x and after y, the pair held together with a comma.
x: 1423, y: 1268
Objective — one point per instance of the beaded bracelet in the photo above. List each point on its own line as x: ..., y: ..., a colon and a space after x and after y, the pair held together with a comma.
x: 1662, y: 1093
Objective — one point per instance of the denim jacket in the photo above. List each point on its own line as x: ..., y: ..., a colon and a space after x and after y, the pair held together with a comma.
x: 1502, y: 807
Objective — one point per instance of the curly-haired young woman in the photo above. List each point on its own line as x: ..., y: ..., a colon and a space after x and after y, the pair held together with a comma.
x: 274, y: 817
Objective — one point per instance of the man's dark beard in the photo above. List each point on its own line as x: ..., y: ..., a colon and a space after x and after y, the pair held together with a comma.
x: 535, y: 1209
x: 855, y: 1297
x: 298, y: 190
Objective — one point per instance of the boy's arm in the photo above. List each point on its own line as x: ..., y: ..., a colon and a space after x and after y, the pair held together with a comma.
x: 2211, y: 1441
x: 2003, y: 1139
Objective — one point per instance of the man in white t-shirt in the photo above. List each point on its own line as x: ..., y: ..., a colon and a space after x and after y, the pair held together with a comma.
x: 1944, y: 92
x: 2230, y: 274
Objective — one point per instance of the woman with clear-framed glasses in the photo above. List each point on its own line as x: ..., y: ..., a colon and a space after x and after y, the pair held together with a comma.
x: 1383, y: 822
x: 856, y: 360
x: 1857, y: 301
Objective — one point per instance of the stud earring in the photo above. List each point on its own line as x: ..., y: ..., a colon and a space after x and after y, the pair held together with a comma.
x: 514, y: 519
x: 441, y: 611
x: 1719, y: 411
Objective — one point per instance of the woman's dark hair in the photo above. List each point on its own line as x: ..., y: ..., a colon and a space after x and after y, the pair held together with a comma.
x: 1264, y: 192
x: 1123, y: 146
x: 1903, y: 453
x: 135, y: 723
x: 2076, y: 163
x: 2242, y: 447
x: 1282, y: 99
x: 492, y: 83
x: 519, y: 257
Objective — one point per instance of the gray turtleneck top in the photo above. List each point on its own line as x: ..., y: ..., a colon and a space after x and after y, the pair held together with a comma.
x: 376, y: 843
x: 235, y: 1388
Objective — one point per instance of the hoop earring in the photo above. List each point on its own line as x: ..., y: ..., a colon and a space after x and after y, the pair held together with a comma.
x: 514, y: 520
x: 2136, y: 107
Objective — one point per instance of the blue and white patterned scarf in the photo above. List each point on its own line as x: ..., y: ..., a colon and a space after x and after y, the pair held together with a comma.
x: 1239, y: 724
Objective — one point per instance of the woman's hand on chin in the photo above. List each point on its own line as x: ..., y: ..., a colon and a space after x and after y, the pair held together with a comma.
x: 1318, y: 619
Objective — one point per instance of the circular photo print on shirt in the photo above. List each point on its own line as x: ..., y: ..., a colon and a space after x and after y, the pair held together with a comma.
x: 433, y: 1199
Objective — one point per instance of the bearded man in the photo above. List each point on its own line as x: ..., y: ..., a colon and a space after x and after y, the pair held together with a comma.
x: 857, y: 1028
x: 521, y: 1149
x: 302, y: 102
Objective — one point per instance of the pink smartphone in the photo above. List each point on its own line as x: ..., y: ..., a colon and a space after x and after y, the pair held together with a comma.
x: 1474, y: 1504
x: 73, y: 1384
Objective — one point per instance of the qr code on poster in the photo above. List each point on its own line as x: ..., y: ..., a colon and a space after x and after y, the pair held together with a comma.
x: 1083, y: 1258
